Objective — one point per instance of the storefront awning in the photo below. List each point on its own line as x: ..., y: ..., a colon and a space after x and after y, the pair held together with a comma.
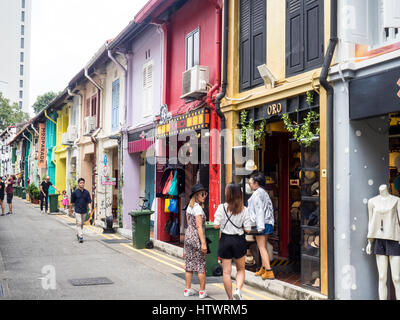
x: 193, y: 120
x: 141, y: 139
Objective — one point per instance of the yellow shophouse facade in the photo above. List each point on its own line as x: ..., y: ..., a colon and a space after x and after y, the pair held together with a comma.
x: 290, y: 39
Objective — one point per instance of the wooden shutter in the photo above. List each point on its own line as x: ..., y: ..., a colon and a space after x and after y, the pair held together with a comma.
x: 115, y: 105
x: 94, y: 106
x: 88, y: 108
x: 314, y: 33
x: 294, y: 36
x: 258, y: 39
x: 252, y: 42
x: 148, y: 99
x: 245, y: 46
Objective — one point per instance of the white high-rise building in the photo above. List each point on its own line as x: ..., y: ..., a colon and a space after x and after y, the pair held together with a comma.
x: 15, y: 44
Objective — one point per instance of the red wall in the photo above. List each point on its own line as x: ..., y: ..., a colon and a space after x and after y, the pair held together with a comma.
x: 194, y: 14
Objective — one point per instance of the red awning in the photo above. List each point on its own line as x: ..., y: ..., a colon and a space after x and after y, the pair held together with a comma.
x: 141, y: 145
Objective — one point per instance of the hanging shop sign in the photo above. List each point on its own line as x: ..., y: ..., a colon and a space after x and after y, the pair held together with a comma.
x: 42, y: 154
x: 141, y: 140
x: 375, y: 95
x: 265, y: 112
x: 194, y: 120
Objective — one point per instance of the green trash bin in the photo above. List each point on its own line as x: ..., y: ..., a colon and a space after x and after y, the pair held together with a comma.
x: 53, y: 202
x: 212, y: 235
x: 140, y: 228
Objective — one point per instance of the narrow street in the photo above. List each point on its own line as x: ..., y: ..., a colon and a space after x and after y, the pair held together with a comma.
x: 35, y: 247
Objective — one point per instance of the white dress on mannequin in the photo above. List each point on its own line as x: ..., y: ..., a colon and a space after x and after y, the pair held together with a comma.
x: 384, y: 224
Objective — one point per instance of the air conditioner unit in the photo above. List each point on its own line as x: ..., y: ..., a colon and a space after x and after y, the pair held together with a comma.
x: 73, y: 133
x: 194, y: 82
x: 90, y: 125
x: 64, y: 139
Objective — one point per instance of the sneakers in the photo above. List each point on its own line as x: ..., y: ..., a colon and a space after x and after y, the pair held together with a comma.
x: 202, y: 294
x: 268, y: 275
x: 260, y: 272
x: 237, y: 295
x: 80, y: 239
x: 188, y: 292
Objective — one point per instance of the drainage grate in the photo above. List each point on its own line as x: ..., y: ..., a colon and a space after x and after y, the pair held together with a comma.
x: 195, y: 279
x: 1, y: 290
x: 90, y: 281
x: 112, y: 241
x: 71, y: 224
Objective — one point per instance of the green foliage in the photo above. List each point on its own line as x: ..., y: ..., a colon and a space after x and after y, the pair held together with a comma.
x: 10, y: 114
x: 33, y: 191
x: 72, y: 184
x: 310, y: 97
x: 249, y: 128
x: 302, y: 133
x: 43, y: 101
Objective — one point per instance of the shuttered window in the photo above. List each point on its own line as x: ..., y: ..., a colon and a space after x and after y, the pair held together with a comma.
x: 193, y: 49
x: 252, y: 42
x: 148, y: 97
x: 304, y: 35
x: 115, y: 105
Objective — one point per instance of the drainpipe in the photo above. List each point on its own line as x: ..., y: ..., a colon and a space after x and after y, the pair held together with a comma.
x: 221, y: 96
x: 92, y: 137
x: 33, y: 128
x: 23, y: 134
x: 330, y: 145
x: 80, y: 108
x: 46, y: 115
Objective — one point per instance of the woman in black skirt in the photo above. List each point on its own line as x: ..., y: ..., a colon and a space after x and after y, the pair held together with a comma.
x: 233, y: 220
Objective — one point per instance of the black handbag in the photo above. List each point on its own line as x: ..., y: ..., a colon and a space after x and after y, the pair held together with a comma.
x: 167, y: 227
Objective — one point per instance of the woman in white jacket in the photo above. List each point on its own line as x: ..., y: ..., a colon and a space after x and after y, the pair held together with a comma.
x: 262, y: 216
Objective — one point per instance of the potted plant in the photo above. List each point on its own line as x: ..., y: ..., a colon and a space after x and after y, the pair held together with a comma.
x: 36, y: 195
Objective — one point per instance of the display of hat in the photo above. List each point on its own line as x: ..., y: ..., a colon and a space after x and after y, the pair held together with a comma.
x: 197, y: 188
x: 296, y: 204
x: 250, y: 260
x: 309, y: 177
x: 250, y: 165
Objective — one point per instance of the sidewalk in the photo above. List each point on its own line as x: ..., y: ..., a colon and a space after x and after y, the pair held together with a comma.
x: 276, y: 287
x: 279, y: 288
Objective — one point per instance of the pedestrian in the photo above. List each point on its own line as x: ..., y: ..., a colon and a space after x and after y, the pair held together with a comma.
x: 65, y: 200
x: 262, y: 217
x: 81, y: 200
x: 233, y: 220
x: 44, y: 193
x: 2, y: 192
x: 10, y: 193
x: 195, y: 245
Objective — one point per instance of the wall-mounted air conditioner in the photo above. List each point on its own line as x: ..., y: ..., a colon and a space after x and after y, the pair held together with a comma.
x: 90, y: 125
x: 194, y: 82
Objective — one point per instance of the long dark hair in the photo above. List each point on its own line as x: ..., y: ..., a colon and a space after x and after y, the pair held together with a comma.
x: 260, y: 179
x: 234, y: 198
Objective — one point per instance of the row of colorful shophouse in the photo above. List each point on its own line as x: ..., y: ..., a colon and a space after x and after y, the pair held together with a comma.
x: 208, y: 68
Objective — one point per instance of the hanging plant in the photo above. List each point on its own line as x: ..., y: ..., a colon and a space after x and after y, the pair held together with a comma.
x: 310, y: 97
x: 247, y: 128
x: 302, y: 133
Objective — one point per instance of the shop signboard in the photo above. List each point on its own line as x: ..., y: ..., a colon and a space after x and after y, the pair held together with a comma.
x: 141, y: 139
x: 42, y: 154
x: 194, y: 120
x: 375, y: 95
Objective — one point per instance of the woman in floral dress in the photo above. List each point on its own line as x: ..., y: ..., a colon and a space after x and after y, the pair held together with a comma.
x: 195, y: 245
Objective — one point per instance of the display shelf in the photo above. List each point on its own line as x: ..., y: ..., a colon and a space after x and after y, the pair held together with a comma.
x: 308, y: 257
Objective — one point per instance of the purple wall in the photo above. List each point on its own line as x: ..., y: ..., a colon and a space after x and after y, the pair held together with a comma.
x: 149, y: 44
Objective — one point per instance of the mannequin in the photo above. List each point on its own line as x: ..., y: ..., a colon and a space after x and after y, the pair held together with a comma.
x: 384, y: 238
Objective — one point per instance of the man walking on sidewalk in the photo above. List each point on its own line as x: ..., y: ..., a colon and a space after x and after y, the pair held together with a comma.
x: 44, y: 193
x: 80, y: 198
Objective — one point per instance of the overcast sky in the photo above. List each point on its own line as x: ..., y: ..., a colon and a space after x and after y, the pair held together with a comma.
x: 67, y: 33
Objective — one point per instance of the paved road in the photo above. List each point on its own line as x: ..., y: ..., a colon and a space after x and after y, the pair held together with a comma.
x: 40, y: 255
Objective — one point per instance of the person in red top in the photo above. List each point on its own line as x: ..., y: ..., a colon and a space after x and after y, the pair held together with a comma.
x: 10, y: 192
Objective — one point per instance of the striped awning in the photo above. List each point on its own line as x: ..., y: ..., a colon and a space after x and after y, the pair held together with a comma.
x: 141, y: 145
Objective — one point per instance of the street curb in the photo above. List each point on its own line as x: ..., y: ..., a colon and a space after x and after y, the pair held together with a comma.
x: 275, y: 287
